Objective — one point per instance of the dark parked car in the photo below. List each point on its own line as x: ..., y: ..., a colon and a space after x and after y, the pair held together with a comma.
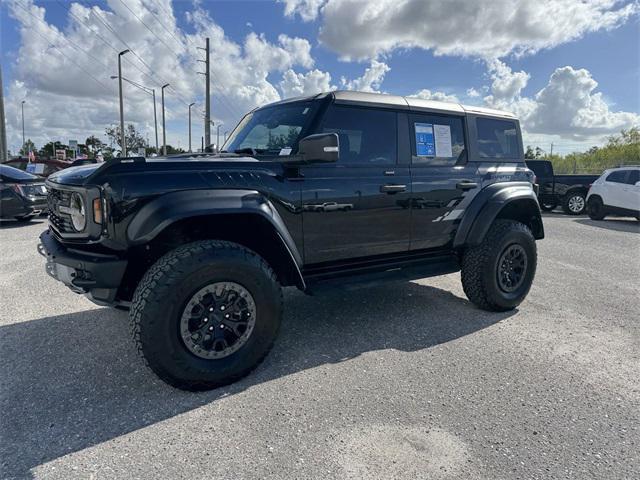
x: 567, y: 191
x: 43, y: 167
x: 22, y: 195
x: 315, y: 193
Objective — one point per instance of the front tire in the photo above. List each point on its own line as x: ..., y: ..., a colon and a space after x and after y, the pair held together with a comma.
x: 574, y: 203
x: 595, y: 208
x: 498, y: 273
x: 206, y: 314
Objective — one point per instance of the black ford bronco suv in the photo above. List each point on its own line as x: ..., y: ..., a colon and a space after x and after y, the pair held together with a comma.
x: 328, y: 191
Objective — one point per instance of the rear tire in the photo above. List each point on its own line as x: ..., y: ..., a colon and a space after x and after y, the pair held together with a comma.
x: 574, y: 203
x: 498, y: 273
x: 180, y: 314
x: 548, y: 207
x: 24, y: 219
x: 595, y: 208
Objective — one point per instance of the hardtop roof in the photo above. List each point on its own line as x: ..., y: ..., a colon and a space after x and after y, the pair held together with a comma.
x: 397, y: 101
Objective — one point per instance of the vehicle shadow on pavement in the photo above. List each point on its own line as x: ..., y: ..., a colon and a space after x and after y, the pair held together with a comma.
x: 69, y: 382
x: 630, y: 225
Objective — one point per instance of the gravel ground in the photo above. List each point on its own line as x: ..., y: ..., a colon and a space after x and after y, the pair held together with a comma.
x: 401, y: 381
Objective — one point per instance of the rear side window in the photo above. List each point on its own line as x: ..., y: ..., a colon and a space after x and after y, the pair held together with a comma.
x: 618, y: 176
x: 367, y: 136
x: 634, y: 177
x: 437, y: 139
x: 497, y: 138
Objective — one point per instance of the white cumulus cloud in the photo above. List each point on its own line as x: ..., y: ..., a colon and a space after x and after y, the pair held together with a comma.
x: 301, y: 84
x: 427, y: 94
x: 370, y: 80
x: 358, y: 29
x: 63, y: 72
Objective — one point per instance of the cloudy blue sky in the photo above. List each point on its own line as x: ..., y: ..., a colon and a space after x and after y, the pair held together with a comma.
x: 569, y: 69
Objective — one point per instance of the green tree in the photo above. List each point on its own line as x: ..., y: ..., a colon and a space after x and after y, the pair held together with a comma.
x: 529, y: 153
x: 28, y: 146
x: 94, y: 144
x: 173, y: 150
x: 133, y: 138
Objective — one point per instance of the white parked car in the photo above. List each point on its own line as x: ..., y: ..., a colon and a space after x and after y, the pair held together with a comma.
x: 616, y: 192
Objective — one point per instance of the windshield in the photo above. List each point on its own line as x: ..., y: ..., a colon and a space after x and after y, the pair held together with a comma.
x: 272, y: 131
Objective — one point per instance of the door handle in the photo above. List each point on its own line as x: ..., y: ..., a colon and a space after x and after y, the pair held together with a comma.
x: 393, y: 188
x: 466, y: 185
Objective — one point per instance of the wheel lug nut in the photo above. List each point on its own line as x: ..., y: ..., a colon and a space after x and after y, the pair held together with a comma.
x: 222, y: 307
x: 226, y: 316
x: 210, y: 329
x: 206, y: 320
x: 211, y: 309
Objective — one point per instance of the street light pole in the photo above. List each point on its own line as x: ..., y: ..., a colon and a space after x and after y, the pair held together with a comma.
x: 190, y: 105
x: 122, y: 135
x: 155, y: 118
x: 218, y: 139
x: 164, y: 130
x: 22, y: 105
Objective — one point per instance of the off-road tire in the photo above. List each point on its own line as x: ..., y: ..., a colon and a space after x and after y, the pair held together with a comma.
x: 567, y: 199
x: 595, y: 209
x: 165, y: 289
x: 480, y: 266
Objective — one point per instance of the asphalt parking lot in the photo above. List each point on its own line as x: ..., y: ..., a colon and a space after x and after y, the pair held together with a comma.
x: 402, y: 381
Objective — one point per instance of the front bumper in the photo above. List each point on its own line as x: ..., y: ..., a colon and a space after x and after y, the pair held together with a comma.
x: 98, y: 275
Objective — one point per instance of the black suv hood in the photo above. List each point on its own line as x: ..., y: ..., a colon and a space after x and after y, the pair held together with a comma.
x: 79, y: 175
x: 74, y: 175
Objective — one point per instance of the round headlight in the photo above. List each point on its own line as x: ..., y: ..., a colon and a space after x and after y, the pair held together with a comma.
x: 78, y: 212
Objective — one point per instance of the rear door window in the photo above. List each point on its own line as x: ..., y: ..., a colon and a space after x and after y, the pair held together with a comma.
x: 618, y: 176
x: 437, y: 139
x: 497, y: 138
x: 634, y: 177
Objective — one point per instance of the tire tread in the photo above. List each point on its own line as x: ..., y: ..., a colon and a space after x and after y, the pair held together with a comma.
x: 158, y: 280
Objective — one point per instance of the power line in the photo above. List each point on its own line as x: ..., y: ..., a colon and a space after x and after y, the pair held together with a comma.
x: 73, y: 44
x: 69, y: 58
x: 153, y: 72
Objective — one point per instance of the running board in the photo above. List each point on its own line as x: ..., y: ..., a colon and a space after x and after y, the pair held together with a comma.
x: 380, y: 275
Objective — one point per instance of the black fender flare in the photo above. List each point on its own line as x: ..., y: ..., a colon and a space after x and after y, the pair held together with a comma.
x: 488, y: 204
x: 169, y: 208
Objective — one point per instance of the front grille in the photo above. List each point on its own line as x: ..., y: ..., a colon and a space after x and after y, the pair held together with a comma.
x: 59, y: 221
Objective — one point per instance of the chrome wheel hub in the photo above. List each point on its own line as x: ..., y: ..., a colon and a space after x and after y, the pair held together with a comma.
x: 218, y: 320
x: 576, y: 203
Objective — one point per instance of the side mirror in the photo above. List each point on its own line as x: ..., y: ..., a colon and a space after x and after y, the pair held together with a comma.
x: 319, y: 148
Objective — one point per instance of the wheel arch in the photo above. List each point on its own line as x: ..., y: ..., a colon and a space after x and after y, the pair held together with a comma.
x: 245, y: 217
x: 515, y: 201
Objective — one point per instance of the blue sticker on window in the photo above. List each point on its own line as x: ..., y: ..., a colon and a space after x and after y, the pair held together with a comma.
x: 425, y: 143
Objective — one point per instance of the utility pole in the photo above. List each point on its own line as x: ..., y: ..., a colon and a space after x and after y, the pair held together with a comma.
x: 22, y: 106
x: 122, y: 134
x: 150, y: 91
x: 207, y: 109
x: 225, y: 136
x: 164, y: 130
x: 551, y: 154
x: 190, y: 105
x: 218, y: 139
x: 4, y: 155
